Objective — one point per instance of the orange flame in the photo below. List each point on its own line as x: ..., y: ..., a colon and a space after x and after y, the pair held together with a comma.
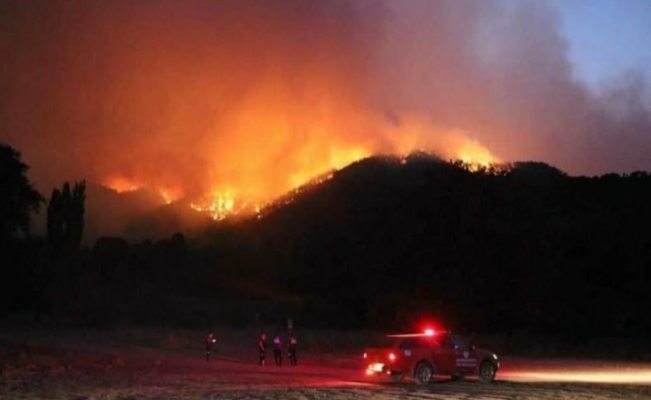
x: 122, y: 185
x: 279, y: 144
x: 170, y: 194
x: 218, y: 205
x: 417, y: 133
x: 312, y: 164
x: 258, y: 137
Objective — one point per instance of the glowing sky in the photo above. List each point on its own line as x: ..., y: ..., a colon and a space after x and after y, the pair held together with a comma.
x: 251, y: 98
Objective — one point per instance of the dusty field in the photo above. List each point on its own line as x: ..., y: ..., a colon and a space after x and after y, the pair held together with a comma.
x: 118, y: 366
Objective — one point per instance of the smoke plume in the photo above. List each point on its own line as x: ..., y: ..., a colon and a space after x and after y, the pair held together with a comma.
x: 253, y: 97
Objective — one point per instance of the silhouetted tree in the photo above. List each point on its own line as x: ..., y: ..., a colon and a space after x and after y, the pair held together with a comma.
x: 65, y: 219
x: 18, y: 198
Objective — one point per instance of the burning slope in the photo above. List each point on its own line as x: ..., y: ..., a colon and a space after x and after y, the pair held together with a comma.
x: 232, y: 104
x: 229, y: 104
x: 238, y: 199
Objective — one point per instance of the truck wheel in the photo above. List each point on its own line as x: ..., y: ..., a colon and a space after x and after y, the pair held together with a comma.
x: 396, y: 376
x: 487, y: 371
x: 423, y: 373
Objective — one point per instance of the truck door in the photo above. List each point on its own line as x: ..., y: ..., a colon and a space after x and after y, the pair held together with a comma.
x: 465, y: 356
x: 445, y: 355
x: 408, y: 352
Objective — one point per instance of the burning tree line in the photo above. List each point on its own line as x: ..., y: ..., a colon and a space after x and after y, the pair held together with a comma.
x: 377, y: 244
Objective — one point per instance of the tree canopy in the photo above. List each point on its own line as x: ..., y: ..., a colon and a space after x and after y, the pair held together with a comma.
x: 18, y: 198
x: 65, y: 218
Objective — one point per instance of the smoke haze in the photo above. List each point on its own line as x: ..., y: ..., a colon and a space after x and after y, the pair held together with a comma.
x: 254, y: 97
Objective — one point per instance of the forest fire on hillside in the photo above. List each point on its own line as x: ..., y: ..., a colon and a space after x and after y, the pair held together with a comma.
x: 220, y: 206
x: 233, y: 118
x: 121, y: 184
x: 222, y: 203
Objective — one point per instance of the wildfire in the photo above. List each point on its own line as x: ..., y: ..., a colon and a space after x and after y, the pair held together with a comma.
x: 279, y: 154
x: 475, y: 155
x: 239, y: 200
x: 122, y: 185
x: 169, y: 196
x: 219, y: 206
x: 224, y: 204
x: 261, y: 142
x: 418, y: 133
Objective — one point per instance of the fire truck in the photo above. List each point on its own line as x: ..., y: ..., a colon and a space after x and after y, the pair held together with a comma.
x: 422, y: 356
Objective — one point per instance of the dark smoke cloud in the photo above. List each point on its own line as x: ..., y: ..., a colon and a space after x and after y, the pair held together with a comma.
x: 191, y: 93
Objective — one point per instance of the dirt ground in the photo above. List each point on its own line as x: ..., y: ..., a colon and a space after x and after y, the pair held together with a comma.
x: 84, y: 368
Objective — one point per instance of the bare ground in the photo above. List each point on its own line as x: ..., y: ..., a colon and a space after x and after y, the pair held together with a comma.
x: 82, y: 369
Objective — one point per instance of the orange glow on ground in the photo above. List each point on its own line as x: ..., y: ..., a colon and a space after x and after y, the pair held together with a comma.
x: 632, y: 376
x: 576, y: 371
x: 591, y: 376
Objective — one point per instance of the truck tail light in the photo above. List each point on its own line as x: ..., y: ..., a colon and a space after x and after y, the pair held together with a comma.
x: 392, y: 356
x: 365, y: 355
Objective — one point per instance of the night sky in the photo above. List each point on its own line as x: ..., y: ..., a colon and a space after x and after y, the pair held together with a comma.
x: 253, y: 97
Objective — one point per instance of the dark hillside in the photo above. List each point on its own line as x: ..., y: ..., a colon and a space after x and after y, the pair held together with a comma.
x: 529, y: 246
x: 376, y: 244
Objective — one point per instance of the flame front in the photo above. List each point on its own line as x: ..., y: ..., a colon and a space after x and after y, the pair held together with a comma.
x: 315, y: 166
x: 233, y: 127
x: 121, y: 184
x: 252, y: 185
x: 218, y: 206
x: 244, y: 105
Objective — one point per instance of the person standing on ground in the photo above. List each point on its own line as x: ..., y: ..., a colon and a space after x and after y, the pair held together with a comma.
x: 262, y: 348
x: 278, y: 350
x: 210, y: 342
x: 291, y: 347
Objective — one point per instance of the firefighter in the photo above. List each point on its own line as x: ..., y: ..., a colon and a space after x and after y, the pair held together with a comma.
x: 278, y: 350
x: 262, y: 348
x: 210, y: 342
x: 291, y: 349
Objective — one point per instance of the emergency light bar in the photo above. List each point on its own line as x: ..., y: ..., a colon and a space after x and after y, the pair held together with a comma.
x: 426, y: 332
